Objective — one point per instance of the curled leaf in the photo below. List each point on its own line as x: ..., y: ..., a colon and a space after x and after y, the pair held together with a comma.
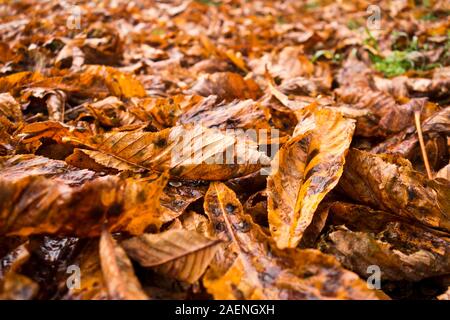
x: 306, y: 168
x: 389, y: 183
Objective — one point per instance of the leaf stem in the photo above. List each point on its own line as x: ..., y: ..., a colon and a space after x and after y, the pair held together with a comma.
x: 422, y: 144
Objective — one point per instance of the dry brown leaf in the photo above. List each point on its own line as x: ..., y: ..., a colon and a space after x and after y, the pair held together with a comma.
x: 187, y: 152
x: 181, y: 254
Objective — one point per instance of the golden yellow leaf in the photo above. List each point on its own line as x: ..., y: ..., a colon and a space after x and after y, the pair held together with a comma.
x: 305, y: 169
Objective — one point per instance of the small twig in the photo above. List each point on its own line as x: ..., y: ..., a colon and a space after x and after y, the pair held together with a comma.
x: 422, y: 144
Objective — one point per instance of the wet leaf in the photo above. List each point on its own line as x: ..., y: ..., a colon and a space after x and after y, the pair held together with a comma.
x: 246, y: 114
x: 92, y: 284
x: 390, y: 183
x: 17, y: 287
x: 123, y: 117
x: 40, y: 195
x: 305, y: 169
x: 118, y: 83
x: 227, y: 86
x: 118, y: 272
x: 402, y: 250
x: 261, y: 271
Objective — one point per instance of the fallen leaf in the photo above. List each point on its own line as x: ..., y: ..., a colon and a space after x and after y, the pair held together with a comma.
x: 261, y: 271
x: 39, y: 195
x: 401, y: 249
x: 389, y: 183
x: 181, y: 254
x: 118, y: 272
x: 187, y: 152
x: 305, y: 169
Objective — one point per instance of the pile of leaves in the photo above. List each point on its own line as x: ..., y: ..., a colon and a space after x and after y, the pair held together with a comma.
x: 100, y: 200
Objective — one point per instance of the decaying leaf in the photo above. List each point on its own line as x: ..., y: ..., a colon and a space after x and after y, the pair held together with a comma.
x: 40, y: 195
x: 389, y: 183
x: 402, y: 250
x: 261, y: 271
x: 305, y: 169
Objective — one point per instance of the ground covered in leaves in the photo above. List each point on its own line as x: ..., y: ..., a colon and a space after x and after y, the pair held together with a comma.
x: 99, y: 102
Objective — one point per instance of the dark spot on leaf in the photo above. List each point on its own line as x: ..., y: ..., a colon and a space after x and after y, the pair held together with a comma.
x: 160, y: 142
x: 151, y: 228
x: 230, y: 208
x: 311, y: 155
x: 411, y: 193
x: 114, y: 210
x: 141, y: 196
x: 219, y: 226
